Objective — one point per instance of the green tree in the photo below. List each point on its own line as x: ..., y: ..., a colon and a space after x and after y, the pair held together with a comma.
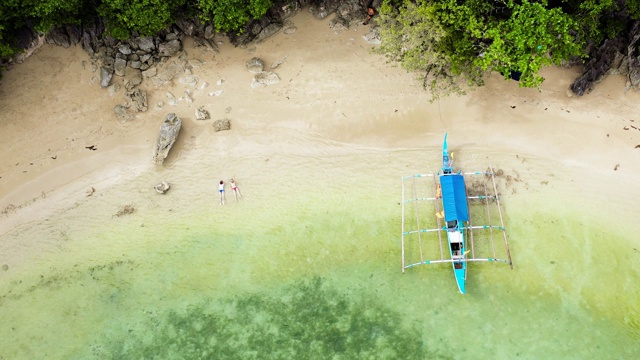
x: 232, y: 15
x: 532, y: 37
x: 51, y: 13
x: 413, y: 36
x: 147, y: 17
x: 454, y: 42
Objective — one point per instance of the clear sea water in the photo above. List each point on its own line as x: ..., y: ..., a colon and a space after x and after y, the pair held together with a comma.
x: 307, y: 266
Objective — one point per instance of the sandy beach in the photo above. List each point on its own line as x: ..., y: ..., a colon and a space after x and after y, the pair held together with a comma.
x: 318, y: 158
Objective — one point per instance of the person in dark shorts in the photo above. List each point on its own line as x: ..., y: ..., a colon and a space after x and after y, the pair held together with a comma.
x: 370, y: 12
x: 221, y: 190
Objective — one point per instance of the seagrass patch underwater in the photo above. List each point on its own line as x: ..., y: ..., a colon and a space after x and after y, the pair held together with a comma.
x: 306, y: 320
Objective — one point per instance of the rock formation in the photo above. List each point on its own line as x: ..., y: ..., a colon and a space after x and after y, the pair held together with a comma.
x: 222, y: 124
x: 598, y: 67
x: 169, y: 131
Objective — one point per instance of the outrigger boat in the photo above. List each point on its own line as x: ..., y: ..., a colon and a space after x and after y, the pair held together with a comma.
x: 452, y: 215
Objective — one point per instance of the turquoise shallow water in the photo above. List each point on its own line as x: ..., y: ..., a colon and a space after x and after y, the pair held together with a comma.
x: 312, y: 270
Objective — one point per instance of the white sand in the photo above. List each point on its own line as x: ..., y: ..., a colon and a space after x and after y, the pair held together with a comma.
x: 332, y: 90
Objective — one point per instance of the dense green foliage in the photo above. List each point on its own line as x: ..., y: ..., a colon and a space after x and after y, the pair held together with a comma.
x: 123, y: 17
x: 458, y: 40
x: 231, y: 15
x: 146, y: 17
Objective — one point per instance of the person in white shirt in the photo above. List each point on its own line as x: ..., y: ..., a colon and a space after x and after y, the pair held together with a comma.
x: 221, y: 190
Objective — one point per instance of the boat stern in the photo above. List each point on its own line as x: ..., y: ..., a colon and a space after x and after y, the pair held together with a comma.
x: 461, y: 276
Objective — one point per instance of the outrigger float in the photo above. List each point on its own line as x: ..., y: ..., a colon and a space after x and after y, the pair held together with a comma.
x: 452, y: 205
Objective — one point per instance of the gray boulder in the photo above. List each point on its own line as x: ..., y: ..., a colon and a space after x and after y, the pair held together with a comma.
x: 119, y: 66
x: 132, y: 78
x: 324, y: 8
x: 288, y: 10
x: 169, y: 131
x: 255, y: 65
x: 269, y: 31
x: 169, y: 48
x: 58, y: 36
x: 125, y: 49
x: 145, y: 44
x: 208, y: 43
x: 105, y: 77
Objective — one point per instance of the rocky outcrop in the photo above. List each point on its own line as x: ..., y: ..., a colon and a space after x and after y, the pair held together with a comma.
x: 255, y: 65
x: 634, y: 56
x: 169, y: 131
x: 598, y: 67
x: 323, y: 8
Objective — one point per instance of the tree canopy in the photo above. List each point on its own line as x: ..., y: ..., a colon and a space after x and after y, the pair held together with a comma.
x: 454, y: 42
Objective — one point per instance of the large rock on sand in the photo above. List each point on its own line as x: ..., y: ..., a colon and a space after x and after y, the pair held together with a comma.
x: 168, y: 134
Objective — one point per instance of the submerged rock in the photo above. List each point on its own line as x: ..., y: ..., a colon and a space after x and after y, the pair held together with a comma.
x: 169, y: 131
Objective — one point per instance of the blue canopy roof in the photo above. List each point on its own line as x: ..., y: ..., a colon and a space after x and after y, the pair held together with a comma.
x: 454, y: 197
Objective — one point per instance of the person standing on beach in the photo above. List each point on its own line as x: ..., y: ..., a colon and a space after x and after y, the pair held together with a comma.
x: 370, y: 12
x: 221, y: 190
x: 236, y: 192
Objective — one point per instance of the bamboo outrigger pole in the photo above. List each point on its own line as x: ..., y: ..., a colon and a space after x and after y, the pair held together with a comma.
x: 437, y: 218
x: 470, y: 229
x: 403, y: 225
x: 504, y: 231
x: 415, y: 196
x: 486, y: 202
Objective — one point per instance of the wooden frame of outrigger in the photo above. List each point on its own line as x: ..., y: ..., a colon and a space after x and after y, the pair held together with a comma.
x: 439, y: 229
